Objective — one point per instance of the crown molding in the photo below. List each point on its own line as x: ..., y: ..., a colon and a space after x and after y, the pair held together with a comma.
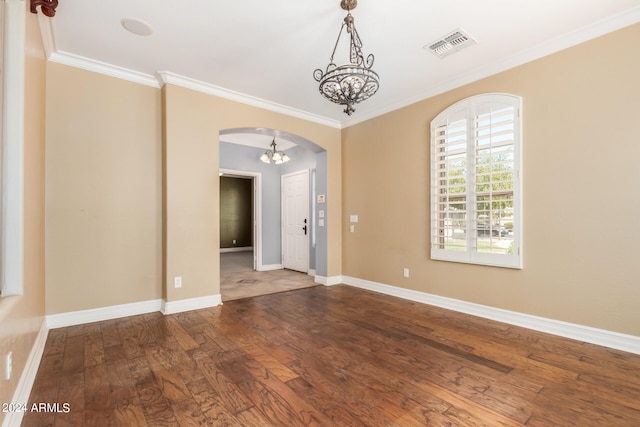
x: 47, y: 31
x: 103, y: 68
x: 167, y: 77
x: 589, y: 32
x: 565, y: 41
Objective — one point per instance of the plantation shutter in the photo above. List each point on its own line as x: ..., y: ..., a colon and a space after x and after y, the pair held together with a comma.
x: 494, y: 175
x: 450, y: 191
x: 475, y: 182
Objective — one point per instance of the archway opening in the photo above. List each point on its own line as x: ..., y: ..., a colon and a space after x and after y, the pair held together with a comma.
x: 240, y: 151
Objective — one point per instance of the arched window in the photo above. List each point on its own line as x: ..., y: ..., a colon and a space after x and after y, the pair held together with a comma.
x: 476, y: 200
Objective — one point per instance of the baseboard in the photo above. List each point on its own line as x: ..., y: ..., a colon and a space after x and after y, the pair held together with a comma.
x: 270, y: 267
x: 311, y: 272
x: 172, y: 307
x: 117, y: 311
x: 588, y: 334
x: 237, y: 249
x: 103, y: 313
x: 329, y: 281
x: 28, y: 376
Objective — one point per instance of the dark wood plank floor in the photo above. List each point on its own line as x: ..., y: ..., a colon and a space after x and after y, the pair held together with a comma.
x: 329, y: 356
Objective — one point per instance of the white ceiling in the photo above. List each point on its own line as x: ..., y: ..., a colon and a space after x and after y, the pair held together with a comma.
x: 264, y: 52
x: 261, y: 138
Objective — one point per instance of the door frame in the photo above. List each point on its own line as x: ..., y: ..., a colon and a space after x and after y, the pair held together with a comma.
x: 257, y: 211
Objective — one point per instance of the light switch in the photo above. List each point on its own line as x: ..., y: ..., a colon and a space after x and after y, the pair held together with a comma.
x: 321, y: 223
x: 352, y: 228
x: 320, y: 214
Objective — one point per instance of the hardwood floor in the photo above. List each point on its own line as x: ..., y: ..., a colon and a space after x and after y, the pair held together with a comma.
x: 329, y: 356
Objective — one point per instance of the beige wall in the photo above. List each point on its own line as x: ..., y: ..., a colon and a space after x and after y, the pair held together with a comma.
x: 191, y: 217
x: 21, y: 316
x: 581, y: 198
x: 104, y: 202
x: 192, y: 122
x: 103, y: 191
x: 128, y: 165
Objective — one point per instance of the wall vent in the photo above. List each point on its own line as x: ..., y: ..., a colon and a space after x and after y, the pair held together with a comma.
x: 453, y: 42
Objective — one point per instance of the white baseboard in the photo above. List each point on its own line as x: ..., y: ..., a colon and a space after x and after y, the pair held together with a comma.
x: 28, y: 376
x: 103, y: 313
x: 172, y: 307
x: 237, y: 249
x: 311, y: 272
x: 329, y: 281
x: 117, y: 311
x: 588, y: 334
x: 270, y: 267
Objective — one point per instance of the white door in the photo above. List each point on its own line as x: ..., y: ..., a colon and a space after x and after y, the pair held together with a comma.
x: 295, y: 221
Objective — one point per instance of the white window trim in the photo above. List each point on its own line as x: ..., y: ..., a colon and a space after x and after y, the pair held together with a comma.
x: 514, y: 260
x: 12, y: 227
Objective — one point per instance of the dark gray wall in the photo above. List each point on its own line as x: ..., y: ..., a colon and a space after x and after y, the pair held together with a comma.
x: 236, y: 212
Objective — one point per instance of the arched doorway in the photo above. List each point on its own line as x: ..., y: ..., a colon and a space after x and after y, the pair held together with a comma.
x: 240, y: 150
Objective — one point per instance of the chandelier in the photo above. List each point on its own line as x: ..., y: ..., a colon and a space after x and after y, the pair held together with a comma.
x: 278, y: 157
x: 350, y: 83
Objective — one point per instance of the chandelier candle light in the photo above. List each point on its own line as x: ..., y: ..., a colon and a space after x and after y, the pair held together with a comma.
x: 278, y: 157
x: 350, y: 83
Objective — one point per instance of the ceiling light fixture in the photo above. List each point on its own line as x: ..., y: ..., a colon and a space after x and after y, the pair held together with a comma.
x: 355, y: 81
x: 278, y: 157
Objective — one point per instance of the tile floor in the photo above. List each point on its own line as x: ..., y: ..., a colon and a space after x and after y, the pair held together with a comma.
x: 239, y: 280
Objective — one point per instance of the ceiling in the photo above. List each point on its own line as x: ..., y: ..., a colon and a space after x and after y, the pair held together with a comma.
x: 264, y: 52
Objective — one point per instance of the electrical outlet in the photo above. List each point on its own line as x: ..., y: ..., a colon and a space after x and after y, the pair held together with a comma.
x: 234, y: 241
x: 8, y: 366
x: 177, y: 282
x: 406, y: 272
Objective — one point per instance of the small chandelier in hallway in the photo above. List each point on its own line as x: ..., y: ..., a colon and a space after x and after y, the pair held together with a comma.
x: 275, y: 156
x: 355, y: 81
